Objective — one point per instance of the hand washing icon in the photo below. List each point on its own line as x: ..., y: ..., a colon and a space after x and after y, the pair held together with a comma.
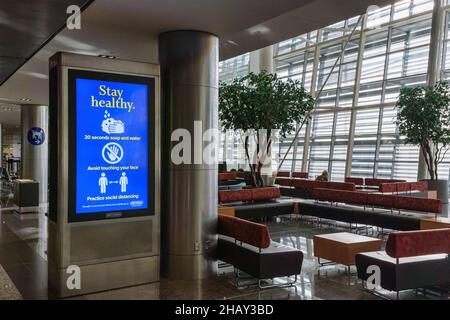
x: 110, y: 125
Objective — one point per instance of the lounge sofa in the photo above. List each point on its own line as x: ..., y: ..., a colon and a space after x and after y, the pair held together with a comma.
x: 414, y: 259
x: 357, y: 181
x: 387, y: 201
x: 357, y: 215
x: 403, y: 187
x: 300, y: 175
x: 302, y: 188
x: 256, y: 203
x: 230, y: 181
x: 375, y: 183
x: 247, y: 246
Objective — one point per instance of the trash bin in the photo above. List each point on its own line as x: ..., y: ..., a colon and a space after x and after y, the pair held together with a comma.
x: 26, y: 195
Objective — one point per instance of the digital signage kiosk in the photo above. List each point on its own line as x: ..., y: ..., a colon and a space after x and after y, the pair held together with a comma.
x: 104, y: 174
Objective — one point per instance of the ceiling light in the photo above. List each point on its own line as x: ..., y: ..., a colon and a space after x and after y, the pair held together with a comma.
x: 107, y: 56
x: 25, y: 99
x: 232, y: 42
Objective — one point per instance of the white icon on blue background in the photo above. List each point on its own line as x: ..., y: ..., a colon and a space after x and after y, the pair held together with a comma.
x: 123, y: 181
x: 110, y: 125
x: 112, y: 153
x: 36, y: 136
x: 103, y: 182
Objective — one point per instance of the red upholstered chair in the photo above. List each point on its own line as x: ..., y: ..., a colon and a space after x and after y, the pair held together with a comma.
x: 240, y: 174
x: 403, y: 186
x: 419, y: 186
x: 235, y: 195
x: 418, y: 243
x: 356, y: 181
x: 337, y: 195
x: 370, y: 182
x: 226, y: 226
x: 320, y: 184
x: 270, y: 193
x: 252, y: 233
x: 378, y: 182
x: 355, y: 197
x: 285, y: 182
x: 381, y: 200
x: 223, y: 176
x: 348, y: 186
x: 322, y: 194
x: 387, y: 187
x: 300, y: 183
x: 418, y: 204
x: 285, y: 174
x: 300, y: 175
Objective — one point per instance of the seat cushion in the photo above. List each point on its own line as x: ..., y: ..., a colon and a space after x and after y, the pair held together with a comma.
x: 275, y: 261
x: 263, y: 209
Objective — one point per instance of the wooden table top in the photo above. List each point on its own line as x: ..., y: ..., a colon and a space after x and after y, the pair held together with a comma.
x: 438, y: 219
x: 346, y: 238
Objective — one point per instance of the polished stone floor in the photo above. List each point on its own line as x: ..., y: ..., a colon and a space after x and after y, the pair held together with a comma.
x: 23, y: 257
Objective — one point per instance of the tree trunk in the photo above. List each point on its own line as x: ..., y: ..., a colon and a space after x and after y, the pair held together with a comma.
x: 428, y: 156
x: 252, y: 166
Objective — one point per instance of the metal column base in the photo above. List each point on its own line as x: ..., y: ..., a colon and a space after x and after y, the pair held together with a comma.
x: 105, y: 276
x: 21, y: 210
x: 189, y: 267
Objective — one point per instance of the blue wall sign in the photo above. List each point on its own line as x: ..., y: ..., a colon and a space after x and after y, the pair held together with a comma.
x: 36, y: 136
x: 112, y: 142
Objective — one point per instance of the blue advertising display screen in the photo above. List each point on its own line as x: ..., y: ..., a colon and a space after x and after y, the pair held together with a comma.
x: 112, y: 146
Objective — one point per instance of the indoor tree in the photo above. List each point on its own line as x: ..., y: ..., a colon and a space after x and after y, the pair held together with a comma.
x: 423, y: 116
x: 262, y: 103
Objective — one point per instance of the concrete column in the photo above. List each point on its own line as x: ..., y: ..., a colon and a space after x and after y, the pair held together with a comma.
x: 260, y: 60
x: 434, y: 66
x: 189, y: 74
x: 34, y: 124
x: 266, y: 59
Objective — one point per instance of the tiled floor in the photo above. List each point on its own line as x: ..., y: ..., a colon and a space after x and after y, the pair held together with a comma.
x: 22, y: 255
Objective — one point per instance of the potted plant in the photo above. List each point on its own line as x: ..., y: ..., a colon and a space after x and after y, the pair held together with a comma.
x: 264, y: 103
x: 423, y: 116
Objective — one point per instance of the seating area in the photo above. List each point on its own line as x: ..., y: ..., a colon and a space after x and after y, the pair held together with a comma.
x: 263, y: 203
x: 288, y: 174
x: 403, y: 187
x: 386, y: 201
x: 301, y: 188
x: 256, y: 203
x: 370, y: 183
x: 247, y: 246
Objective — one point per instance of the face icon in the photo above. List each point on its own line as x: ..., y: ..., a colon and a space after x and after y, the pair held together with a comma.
x: 103, y: 174
x: 123, y: 174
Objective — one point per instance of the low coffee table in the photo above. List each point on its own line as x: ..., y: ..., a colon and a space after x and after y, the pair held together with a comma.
x: 434, y: 223
x: 342, y: 247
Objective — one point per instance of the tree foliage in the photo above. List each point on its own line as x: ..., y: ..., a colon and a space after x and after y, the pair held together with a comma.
x: 423, y: 116
x: 263, y: 102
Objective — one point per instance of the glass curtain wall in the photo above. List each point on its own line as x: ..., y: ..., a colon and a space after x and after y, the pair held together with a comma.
x: 394, y: 54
